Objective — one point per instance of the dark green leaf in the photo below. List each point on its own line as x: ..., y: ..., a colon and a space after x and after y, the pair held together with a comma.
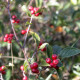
x: 69, y: 51
x: 49, y: 51
x: 56, y: 49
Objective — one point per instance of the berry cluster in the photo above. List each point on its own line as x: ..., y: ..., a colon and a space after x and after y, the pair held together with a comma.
x: 34, y: 11
x: 2, y: 69
x: 14, y: 20
x: 22, y: 69
x: 44, y: 49
x: 8, y: 38
x: 24, y: 31
x: 54, y: 62
x: 34, y: 67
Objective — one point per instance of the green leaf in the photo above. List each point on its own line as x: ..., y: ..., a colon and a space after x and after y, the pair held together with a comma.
x: 25, y: 66
x: 43, y: 63
x: 39, y: 3
x: 49, y: 51
x: 43, y: 45
x: 8, y: 74
x: 56, y: 49
x: 59, y: 72
x: 35, y: 36
x: 69, y: 51
x: 28, y: 23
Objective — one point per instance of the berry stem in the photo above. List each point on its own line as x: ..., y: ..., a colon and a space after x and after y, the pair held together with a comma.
x: 27, y: 32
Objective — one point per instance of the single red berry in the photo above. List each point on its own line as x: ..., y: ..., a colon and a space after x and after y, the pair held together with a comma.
x: 22, y: 68
x: 44, y: 49
x: 30, y: 8
x: 37, y: 14
x: 31, y: 66
x: 55, y: 62
x: 13, y: 21
x: 3, y: 72
x: 54, y: 56
x: 5, y: 39
x: 35, y: 70
x: 2, y: 68
x: 32, y: 12
x: 36, y: 9
x: 17, y: 21
x: 11, y: 35
x: 9, y: 41
x: 35, y: 65
x: 23, y: 32
x: 6, y: 36
x: 25, y: 78
x: 48, y: 60
x: 14, y: 16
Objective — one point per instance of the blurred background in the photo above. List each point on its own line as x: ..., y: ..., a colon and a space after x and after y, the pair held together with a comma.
x: 59, y: 25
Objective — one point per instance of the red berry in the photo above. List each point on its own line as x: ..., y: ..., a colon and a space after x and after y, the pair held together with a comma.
x: 35, y: 70
x: 17, y: 21
x: 30, y: 8
x: 13, y: 21
x: 54, y: 56
x: 9, y: 41
x: 25, y: 78
x: 35, y: 65
x: 9, y: 38
x: 2, y: 68
x: 11, y: 35
x: 37, y: 14
x: 31, y: 66
x: 3, y: 72
x: 55, y: 62
x: 48, y: 60
x: 5, y: 39
x: 23, y: 32
x: 22, y: 67
x: 51, y: 65
x: 32, y: 12
x: 44, y: 49
x: 14, y: 16
x: 6, y: 36
x: 36, y: 9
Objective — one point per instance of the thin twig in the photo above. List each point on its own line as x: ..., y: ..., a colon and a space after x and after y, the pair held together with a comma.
x: 13, y: 25
x: 30, y: 3
x: 22, y: 59
x: 23, y: 49
x: 12, y: 60
x: 27, y: 32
